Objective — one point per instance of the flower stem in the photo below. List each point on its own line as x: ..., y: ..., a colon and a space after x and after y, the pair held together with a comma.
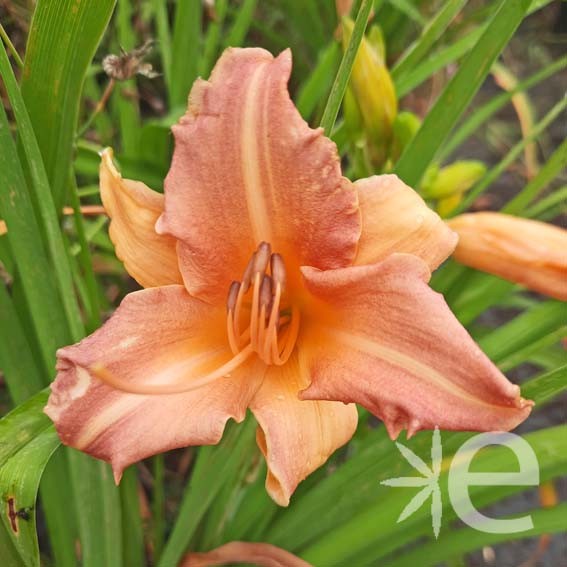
x: 11, y: 47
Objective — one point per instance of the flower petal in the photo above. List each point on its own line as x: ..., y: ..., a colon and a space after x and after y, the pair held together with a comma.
x: 259, y: 554
x: 396, y: 219
x: 150, y: 258
x: 527, y: 252
x: 158, y: 336
x: 247, y: 168
x: 296, y: 437
x: 387, y: 341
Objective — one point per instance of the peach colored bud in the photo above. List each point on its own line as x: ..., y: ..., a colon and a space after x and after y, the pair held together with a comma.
x: 527, y: 252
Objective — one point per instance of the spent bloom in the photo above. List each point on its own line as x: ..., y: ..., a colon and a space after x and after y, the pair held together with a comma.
x: 272, y: 283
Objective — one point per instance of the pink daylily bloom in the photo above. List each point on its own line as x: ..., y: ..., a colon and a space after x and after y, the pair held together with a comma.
x: 272, y: 283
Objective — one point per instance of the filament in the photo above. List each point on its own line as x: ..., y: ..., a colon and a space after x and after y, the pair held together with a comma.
x: 187, y: 385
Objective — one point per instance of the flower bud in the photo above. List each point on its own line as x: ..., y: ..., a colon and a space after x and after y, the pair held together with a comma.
x: 404, y: 129
x: 374, y: 92
x: 456, y: 178
x: 528, y: 252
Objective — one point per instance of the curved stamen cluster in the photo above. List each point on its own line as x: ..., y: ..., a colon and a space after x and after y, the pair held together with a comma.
x: 272, y: 330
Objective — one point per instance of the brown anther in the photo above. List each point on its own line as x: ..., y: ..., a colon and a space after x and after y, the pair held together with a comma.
x: 277, y: 269
x: 248, y: 272
x: 262, y: 258
x: 232, y: 296
x: 266, y: 293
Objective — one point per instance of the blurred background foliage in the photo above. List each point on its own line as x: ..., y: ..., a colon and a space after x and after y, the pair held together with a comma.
x: 463, y: 99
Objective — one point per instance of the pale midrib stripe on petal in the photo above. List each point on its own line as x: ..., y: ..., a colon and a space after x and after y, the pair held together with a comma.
x: 129, y: 402
x: 253, y: 137
x: 418, y: 369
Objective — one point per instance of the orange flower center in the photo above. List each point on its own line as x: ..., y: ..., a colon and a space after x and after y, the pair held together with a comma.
x: 258, y: 304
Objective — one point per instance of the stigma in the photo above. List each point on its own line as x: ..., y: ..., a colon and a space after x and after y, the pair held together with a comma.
x: 259, y: 317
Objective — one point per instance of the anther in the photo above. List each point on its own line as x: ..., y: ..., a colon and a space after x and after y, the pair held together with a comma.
x: 266, y: 293
x: 248, y: 273
x: 277, y: 268
x: 262, y: 258
x: 232, y: 296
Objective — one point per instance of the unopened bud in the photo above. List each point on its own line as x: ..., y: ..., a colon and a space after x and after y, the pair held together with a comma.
x: 404, y: 129
x: 458, y: 177
x: 523, y: 251
x: 374, y: 92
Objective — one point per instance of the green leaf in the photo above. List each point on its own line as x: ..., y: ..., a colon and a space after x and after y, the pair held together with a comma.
x: 26, y: 243
x: 495, y: 172
x: 524, y: 330
x: 483, y: 113
x: 552, y: 167
x: 61, y: 43
x: 43, y: 200
x: 27, y: 441
x: 373, y: 534
x: 241, y: 24
x: 546, y: 386
x: 213, y: 466
x: 186, y: 48
x: 319, y: 81
x: 546, y: 521
x: 429, y: 35
x: 460, y: 91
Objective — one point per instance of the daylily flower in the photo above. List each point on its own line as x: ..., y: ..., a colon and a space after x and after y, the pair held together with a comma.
x: 524, y: 251
x: 274, y: 283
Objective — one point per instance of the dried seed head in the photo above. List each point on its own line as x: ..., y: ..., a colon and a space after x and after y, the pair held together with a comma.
x: 129, y: 63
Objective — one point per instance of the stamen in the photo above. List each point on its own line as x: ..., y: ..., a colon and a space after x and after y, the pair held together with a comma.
x: 262, y: 257
x: 232, y: 340
x: 277, y: 268
x: 248, y: 273
x: 173, y: 388
x: 254, y: 314
x: 265, y: 317
x: 232, y: 296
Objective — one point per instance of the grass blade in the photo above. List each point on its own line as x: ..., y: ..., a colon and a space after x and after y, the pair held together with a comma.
x: 430, y: 34
x: 460, y: 91
x: 78, y: 27
x: 341, y: 80
x: 510, y: 157
x: 186, y: 48
x: 552, y: 167
x: 28, y: 439
x: 485, y: 112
